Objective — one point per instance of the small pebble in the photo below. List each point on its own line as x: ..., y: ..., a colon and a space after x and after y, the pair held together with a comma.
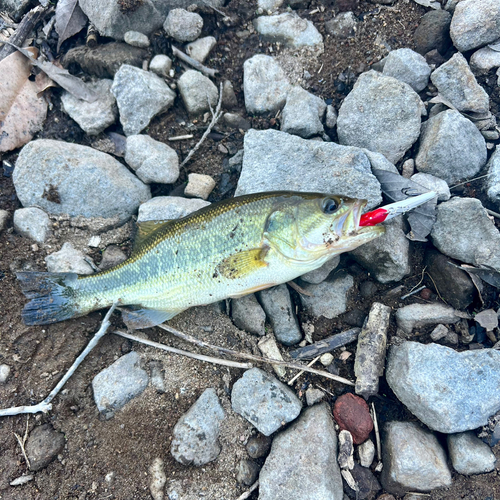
x: 4, y: 215
x: 314, y: 396
x: 157, y: 375
x: 161, y: 65
x: 439, y: 332
x: 490, y: 135
x: 43, y: 446
x: 199, y: 186
x: 408, y: 168
x: 366, y: 452
x: 346, y: 450
x: 136, y: 39
x: 258, y: 446
x: 248, y: 472
x: 426, y: 293
x: 21, y: 480
x: 326, y: 359
x: 352, y: 413
x: 112, y: 256
x: 4, y: 373
x: 158, y: 479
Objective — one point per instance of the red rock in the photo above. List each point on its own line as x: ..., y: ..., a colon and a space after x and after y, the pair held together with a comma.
x: 352, y: 414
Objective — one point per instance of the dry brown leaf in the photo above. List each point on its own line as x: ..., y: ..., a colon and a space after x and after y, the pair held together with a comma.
x: 70, y: 19
x: 22, y: 112
x: 43, y: 82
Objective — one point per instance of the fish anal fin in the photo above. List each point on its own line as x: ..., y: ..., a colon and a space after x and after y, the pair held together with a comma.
x: 145, y: 229
x: 137, y: 318
x: 243, y: 263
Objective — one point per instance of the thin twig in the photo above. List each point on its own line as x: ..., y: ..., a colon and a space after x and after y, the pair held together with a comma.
x: 200, y: 357
x: 215, y: 119
x: 377, y: 433
x: 22, y: 442
x: 252, y: 357
x: 46, y: 405
x: 192, y: 62
x: 298, y: 288
x: 292, y: 380
x: 413, y: 292
x: 470, y: 180
x: 181, y: 137
x: 247, y: 493
x: 493, y: 214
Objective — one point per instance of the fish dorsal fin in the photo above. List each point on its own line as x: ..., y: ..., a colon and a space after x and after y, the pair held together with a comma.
x: 243, y: 263
x: 146, y: 229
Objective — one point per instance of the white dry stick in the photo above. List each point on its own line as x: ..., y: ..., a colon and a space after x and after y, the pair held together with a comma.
x: 200, y: 357
x: 377, y: 433
x: 22, y: 442
x: 292, y: 380
x: 181, y: 137
x: 215, y: 118
x: 192, y: 62
x: 247, y: 493
x: 46, y: 405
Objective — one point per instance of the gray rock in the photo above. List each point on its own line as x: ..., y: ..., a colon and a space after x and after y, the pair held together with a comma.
x: 303, y: 113
x: 328, y: 299
x: 451, y: 147
x: 136, y: 39
x: 413, y: 459
x: 342, y: 26
x: 247, y: 472
x: 366, y: 452
x: 4, y: 217
x: 169, y: 207
x: 43, y: 446
x: 248, y: 315
x: 433, y: 183
x: 265, y: 85
x: 421, y: 315
x: 469, y: 455
x: 197, y: 91
x: 448, y: 391
x: 269, y: 5
x: 161, y: 65
x: 64, y: 178
x: 92, y: 117
x: 381, y: 114
x: 493, y: 180
x: 236, y: 121
x: 153, y: 161
x: 199, y: 49
x: 165, y: 6
x: 409, y: 67
x: 68, y: 260
x: 258, y: 446
x: 264, y: 401
x: 15, y: 8
x: 196, y: 434
x: 475, y: 24
x: 111, y: 257
x: 455, y: 82
x: 183, y: 26
x: 4, y: 373
x: 157, y: 375
x: 229, y: 100
x: 318, y: 275
x: 454, y: 285
x: 433, y: 32
x: 331, y: 117
x: 388, y: 257
x: 485, y: 59
x: 32, y: 223
x: 116, y: 385
x: 290, y: 30
x: 303, y: 461
x: 112, y: 22
x: 367, y: 483
x: 274, y: 161
x: 277, y: 303
x: 314, y: 396
x: 140, y: 96
x: 464, y: 231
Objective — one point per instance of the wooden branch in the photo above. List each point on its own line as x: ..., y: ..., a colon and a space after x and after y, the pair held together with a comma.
x: 326, y: 345
x: 252, y: 357
x: 192, y: 62
x: 200, y: 357
x: 24, y: 29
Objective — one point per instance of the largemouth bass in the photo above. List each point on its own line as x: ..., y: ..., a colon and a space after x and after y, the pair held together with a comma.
x: 226, y: 250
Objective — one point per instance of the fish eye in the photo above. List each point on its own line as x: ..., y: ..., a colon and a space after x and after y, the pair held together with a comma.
x: 330, y: 206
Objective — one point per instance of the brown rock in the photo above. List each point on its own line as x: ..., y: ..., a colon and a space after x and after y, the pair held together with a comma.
x: 352, y: 414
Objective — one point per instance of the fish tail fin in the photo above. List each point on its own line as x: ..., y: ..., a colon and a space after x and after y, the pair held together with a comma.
x: 53, y: 297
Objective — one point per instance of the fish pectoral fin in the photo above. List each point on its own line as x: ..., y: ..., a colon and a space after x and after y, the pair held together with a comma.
x: 243, y: 263
x: 145, y: 229
x: 137, y: 318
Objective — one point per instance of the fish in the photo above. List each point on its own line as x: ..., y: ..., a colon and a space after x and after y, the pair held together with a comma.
x: 225, y: 250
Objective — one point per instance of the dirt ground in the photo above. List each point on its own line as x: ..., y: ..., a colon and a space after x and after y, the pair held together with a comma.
x: 110, y: 459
